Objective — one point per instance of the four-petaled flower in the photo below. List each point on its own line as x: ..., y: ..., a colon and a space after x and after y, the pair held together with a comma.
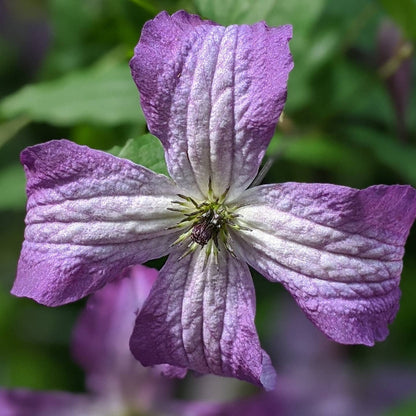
x: 213, y: 96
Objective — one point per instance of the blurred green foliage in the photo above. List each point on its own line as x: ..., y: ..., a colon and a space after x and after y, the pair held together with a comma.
x: 340, y: 126
x: 107, y: 91
x: 404, y: 13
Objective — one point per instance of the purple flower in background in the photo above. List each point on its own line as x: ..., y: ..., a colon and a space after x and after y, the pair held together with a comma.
x: 317, y: 377
x: 117, y: 383
x: 213, y: 96
x: 101, y: 340
x: 394, y: 55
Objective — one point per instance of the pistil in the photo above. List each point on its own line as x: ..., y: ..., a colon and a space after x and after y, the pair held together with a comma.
x: 206, y: 224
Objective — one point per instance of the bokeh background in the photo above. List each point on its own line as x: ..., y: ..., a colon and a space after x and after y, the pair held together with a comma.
x: 350, y: 119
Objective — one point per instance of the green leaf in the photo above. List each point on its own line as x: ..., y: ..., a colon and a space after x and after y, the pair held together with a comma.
x: 311, y: 47
x: 404, y: 13
x: 10, y: 128
x: 227, y: 12
x: 102, y: 94
x: 398, y: 156
x: 301, y: 13
x: 310, y: 53
x: 145, y: 5
x: 317, y: 151
x: 12, y: 184
x: 408, y: 408
x: 146, y: 151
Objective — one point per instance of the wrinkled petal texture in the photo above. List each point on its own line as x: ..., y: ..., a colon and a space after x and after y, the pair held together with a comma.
x: 212, y: 95
x: 337, y: 250
x: 200, y: 315
x: 89, y: 215
x: 101, y: 339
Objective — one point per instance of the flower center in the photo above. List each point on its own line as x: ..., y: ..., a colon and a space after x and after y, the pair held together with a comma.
x: 207, y: 227
x: 206, y: 224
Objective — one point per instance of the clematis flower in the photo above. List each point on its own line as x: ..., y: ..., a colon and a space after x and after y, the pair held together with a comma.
x: 117, y: 384
x: 213, y: 96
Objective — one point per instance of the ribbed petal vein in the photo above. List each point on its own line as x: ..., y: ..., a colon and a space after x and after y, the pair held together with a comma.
x: 212, y: 95
x: 200, y: 315
x: 338, y: 250
x: 89, y: 215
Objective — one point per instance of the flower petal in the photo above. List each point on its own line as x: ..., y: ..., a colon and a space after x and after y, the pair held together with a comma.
x: 263, y: 404
x: 213, y: 96
x: 338, y: 250
x: 101, y: 339
x: 200, y: 315
x: 22, y: 402
x: 89, y: 215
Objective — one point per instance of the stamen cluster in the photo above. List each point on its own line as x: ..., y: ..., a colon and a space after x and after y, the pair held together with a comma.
x: 206, y: 224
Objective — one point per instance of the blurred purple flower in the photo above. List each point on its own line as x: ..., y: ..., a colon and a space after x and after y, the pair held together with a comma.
x: 105, y: 327
x: 213, y: 96
x: 394, y: 56
x: 317, y: 378
x: 28, y: 34
x: 116, y: 381
x: 20, y: 402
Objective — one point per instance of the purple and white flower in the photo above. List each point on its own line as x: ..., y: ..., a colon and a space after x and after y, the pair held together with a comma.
x: 213, y: 96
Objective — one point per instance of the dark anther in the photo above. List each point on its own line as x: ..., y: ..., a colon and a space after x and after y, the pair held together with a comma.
x: 206, y: 228
x: 203, y: 232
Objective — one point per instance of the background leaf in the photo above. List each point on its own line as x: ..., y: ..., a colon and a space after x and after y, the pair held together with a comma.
x: 404, y: 13
x: 103, y: 94
x: 146, y: 151
x: 12, y: 178
x: 228, y: 12
x: 300, y: 13
x: 310, y: 48
x: 399, y: 157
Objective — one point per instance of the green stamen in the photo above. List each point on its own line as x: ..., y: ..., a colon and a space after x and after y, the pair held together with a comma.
x: 206, y: 224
